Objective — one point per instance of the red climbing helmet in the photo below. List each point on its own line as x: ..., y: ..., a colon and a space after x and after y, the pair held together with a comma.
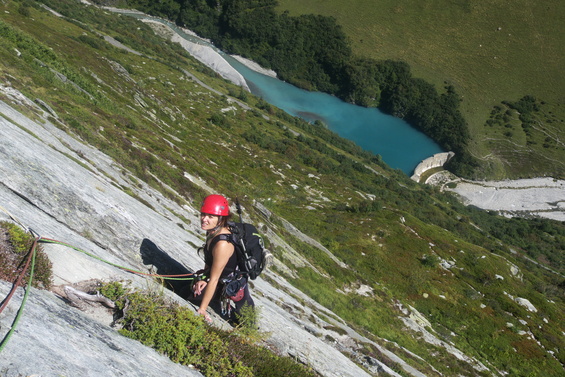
x: 215, y: 205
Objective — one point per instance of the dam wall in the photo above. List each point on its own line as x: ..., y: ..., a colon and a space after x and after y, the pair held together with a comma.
x: 437, y: 160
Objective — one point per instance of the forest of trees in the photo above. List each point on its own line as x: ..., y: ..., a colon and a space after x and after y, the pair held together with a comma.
x: 313, y: 53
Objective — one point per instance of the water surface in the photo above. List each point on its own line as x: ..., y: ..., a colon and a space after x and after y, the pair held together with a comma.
x: 400, y: 145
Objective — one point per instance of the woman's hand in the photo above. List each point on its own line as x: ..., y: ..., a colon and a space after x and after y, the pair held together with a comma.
x: 203, y: 312
x: 199, y: 287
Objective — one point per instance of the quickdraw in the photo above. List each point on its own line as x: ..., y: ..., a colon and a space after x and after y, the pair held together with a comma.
x: 233, y: 290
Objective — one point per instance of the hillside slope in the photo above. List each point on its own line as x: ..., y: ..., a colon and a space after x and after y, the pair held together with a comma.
x: 492, y: 52
x: 374, y: 273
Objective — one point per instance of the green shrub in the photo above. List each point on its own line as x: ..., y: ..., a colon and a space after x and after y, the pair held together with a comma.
x: 14, y: 247
x: 178, y: 333
x: 429, y: 260
x: 24, y: 10
x: 186, y: 339
x: 265, y: 363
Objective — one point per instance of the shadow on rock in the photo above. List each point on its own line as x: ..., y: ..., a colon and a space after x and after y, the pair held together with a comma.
x: 151, y: 254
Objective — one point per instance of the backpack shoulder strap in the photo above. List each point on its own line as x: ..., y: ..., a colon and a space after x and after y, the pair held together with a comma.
x: 219, y: 237
x: 223, y: 237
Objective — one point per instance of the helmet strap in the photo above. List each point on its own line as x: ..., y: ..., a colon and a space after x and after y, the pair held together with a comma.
x: 213, y: 232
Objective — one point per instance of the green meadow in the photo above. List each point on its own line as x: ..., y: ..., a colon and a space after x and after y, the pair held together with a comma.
x: 490, y: 51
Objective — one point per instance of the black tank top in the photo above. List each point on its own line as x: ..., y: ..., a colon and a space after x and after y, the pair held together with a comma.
x: 209, y: 258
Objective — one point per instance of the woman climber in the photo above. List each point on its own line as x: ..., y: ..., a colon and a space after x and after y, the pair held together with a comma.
x: 221, y: 262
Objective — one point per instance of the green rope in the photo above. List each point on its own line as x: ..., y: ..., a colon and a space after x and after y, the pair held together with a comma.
x: 21, y: 310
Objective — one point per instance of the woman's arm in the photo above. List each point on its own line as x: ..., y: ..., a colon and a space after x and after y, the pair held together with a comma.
x: 221, y: 255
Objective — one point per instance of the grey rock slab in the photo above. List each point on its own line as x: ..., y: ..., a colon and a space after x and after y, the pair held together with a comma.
x: 55, y: 339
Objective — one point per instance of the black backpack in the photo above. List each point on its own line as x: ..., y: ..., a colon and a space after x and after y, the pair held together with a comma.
x: 248, y: 243
x: 252, y: 257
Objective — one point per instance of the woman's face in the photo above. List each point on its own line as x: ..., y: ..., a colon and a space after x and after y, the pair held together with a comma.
x: 208, y: 222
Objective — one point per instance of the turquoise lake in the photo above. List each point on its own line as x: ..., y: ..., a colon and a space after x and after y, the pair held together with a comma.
x: 400, y: 145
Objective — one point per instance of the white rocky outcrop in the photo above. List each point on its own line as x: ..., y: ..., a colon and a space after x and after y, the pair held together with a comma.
x: 207, y: 55
x: 526, y: 304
